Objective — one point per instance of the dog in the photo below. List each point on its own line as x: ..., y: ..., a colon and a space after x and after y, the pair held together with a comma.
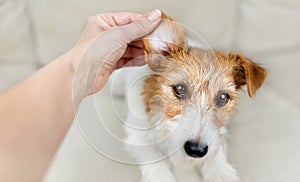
x: 186, y: 94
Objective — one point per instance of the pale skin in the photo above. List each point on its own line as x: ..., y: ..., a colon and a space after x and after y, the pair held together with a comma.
x: 36, y: 113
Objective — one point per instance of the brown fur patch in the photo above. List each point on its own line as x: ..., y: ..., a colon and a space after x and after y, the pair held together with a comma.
x: 205, y: 75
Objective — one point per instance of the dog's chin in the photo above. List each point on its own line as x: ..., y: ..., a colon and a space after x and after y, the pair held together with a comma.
x: 180, y: 158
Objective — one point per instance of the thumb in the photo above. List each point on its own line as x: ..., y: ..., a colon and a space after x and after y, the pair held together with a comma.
x: 140, y: 28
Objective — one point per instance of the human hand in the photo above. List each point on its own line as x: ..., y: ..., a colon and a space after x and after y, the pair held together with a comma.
x: 109, y: 41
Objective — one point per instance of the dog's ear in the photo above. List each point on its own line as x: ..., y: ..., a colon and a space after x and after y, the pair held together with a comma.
x: 166, y: 39
x: 247, y: 72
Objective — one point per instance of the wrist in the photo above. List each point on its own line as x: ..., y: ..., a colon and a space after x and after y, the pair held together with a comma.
x: 66, y: 66
x: 80, y: 71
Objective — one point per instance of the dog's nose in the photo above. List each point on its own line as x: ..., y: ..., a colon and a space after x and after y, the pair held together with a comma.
x: 194, y: 150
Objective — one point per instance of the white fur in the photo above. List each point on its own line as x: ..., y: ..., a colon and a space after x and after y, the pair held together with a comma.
x: 192, y: 123
x: 161, y: 155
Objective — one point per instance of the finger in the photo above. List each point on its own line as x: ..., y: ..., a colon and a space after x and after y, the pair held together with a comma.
x: 119, y: 18
x: 123, y: 18
x: 137, y: 29
x: 133, y: 52
x: 135, y: 62
x: 126, y: 62
x: 122, y: 62
x: 137, y: 44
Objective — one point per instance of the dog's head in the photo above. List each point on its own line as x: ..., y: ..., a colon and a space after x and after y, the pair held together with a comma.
x: 194, y: 88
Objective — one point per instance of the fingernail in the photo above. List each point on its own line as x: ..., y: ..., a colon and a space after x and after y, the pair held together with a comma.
x: 154, y: 15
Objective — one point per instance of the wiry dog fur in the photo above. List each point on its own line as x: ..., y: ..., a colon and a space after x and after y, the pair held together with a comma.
x: 197, y: 117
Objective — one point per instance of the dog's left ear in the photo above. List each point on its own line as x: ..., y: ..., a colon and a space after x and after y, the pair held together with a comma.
x: 168, y: 38
x: 247, y: 72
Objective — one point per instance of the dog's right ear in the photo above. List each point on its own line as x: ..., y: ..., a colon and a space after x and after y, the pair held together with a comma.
x: 246, y: 72
x: 167, y: 39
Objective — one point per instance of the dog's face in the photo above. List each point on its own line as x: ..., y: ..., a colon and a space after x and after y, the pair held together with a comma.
x: 195, y: 90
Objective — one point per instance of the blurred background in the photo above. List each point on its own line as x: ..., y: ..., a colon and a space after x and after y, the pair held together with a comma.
x: 263, y: 134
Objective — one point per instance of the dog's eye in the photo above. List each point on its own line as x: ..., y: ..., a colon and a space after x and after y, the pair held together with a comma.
x: 180, y: 91
x: 222, y: 99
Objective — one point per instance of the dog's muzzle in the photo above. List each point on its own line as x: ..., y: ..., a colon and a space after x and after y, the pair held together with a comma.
x: 193, y: 149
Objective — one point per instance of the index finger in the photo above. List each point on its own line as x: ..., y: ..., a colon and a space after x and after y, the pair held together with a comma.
x: 123, y: 18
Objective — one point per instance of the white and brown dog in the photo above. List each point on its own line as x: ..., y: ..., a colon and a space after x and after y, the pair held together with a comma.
x: 187, y: 93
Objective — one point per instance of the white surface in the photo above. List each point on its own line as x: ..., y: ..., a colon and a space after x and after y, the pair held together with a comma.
x: 265, y: 26
x: 15, y: 36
